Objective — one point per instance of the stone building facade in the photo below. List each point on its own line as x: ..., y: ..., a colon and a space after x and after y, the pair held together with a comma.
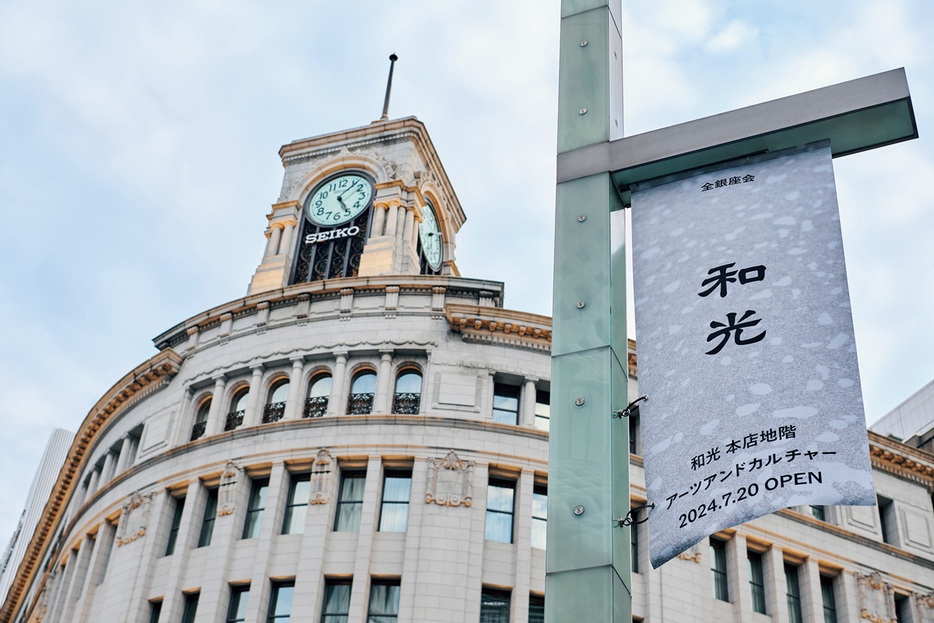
x: 364, y: 437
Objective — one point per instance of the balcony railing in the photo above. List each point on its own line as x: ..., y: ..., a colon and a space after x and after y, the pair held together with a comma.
x: 405, y: 403
x: 315, y: 406
x: 234, y: 420
x: 360, y: 404
x: 197, y: 431
x: 273, y: 412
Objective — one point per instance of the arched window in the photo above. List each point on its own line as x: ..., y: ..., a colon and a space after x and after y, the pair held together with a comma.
x: 360, y: 401
x: 275, y: 402
x: 319, y: 390
x: 201, y: 419
x: 237, y: 408
x: 408, y: 393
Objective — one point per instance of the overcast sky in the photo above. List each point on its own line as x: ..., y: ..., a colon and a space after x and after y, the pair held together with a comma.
x: 138, y: 159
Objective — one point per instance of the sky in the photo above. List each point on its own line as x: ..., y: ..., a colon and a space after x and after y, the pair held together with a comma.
x: 138, y: 159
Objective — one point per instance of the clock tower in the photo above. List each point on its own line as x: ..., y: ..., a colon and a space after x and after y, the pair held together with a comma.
x: 370, y: 201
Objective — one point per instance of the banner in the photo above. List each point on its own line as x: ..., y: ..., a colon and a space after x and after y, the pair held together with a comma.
x: 745, y: 348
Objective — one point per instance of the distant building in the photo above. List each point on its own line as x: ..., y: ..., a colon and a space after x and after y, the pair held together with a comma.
x: 911, y: 422
x: 56, y: 449
x: 364, y: 437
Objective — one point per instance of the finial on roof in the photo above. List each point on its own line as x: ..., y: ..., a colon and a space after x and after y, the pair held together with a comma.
x: 392, y: 62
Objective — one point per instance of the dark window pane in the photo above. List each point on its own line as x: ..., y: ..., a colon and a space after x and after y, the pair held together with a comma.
x: 254, y: 511
x: 176, y: 523
x: 499, y: 511
x: 830, y: 604
x: 718, y: 570
x: 336, y: 602
x: 394, y: 512
x: 494, y: 606
x: 297, y: 504
x: 191, y: 607
x: 210, y: 514
x: 384, y: 603
x: 793, y: 594
x: 280, y: 604
x: 505, y: 404
x: 536, y: 609
x: 756, y: 582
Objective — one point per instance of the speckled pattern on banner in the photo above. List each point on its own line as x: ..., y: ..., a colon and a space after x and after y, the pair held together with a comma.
x: 746, y: 348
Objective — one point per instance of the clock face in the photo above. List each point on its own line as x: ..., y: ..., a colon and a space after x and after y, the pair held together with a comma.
x: 430, y: 235
x: 340, y: 199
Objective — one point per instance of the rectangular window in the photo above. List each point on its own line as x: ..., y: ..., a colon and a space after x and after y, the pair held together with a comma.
x: 718, y: 570
x: 505, y: 404
x: 830, y: 604
x: 542, y: 410
x: 818, y: 512
x: 207, y: 523
x: 494, y: 606
x: 756, y: 581
x: 236, y: 611
x: 255, y: 508
x: 902, y: 609
x: 500, y: 497
x: 887, y: 519
x: 384, y: 602
x: 280, y: 603
x: 176, y: 524
x: 155, y: 609
x: 394, y: 509
x: 634, y: 432
x: 297, y: 504
x: 536, y: 609
x: 539, y: 515
x: 634, y: 542
x: 191, y: 607
x: 793, y: 593
x: 350, y: 502
x: 336, y: 607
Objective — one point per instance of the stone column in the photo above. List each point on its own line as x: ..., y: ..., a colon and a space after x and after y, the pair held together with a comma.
x: 125, y: 449
x: 392, y: 213
x: 286, y: 240
x: 107, y: 472
x: 274, y: 237
x: 382, y: 399
x: 379, y: 218
x: 776, y: 589
x: 293, y: 408
x: 337, y: 399
x: 812, y: 600
x: 408, y: 238
x: 527, y: 406
x: 92, y: 483
x: 217, y: 413
x: 255, y: 402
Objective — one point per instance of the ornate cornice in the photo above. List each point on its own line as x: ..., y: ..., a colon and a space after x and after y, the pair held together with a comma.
x: 902, y: 460
x: 141, y: 381
x: 481, y: 323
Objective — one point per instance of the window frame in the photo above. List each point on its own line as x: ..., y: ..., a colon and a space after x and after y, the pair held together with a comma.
x: 719, y: 571
x: 539, y: 521
x: 407, y: 403
x: 542, y: 410
x: 505, y: 391
x: 361, y: 403
x: 331, y: 584
x: 828, y: 587
x: 757, y: 581
x: 317, y: 406
x: 177, y: 512
x: 237, y: 592
x: 289, y: 519
x: 234, y: 417
x: 490, y: 596
x: 275, y: 593
x: 505, y: 484
x: 398, y: 474
x: 256, y: 507
x: 384, y: 617
x: 190, y: 608
x: 275, y: 411
x: 343, y: 504
x: 202, y: 411
x: 208, y: 520
x: 793, y: 592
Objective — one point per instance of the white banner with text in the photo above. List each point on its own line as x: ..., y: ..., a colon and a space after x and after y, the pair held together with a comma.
x: 745, y: 348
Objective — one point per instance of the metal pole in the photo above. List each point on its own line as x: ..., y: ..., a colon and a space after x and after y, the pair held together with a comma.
x: 588, y: 566
x: 392, y: 63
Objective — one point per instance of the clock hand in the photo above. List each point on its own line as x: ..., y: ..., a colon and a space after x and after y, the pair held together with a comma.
x: 341, y: 196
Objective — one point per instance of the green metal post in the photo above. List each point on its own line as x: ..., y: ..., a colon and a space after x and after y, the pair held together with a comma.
x: 588, y: 566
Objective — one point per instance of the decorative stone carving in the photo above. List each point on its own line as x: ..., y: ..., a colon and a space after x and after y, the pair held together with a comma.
x: 450, y: 481
x: 924, y: 608
x: 876, y: 598
x: 692, y: 554
x: 321, y: 477
x: 227, y: 492
x: 134, y: 518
